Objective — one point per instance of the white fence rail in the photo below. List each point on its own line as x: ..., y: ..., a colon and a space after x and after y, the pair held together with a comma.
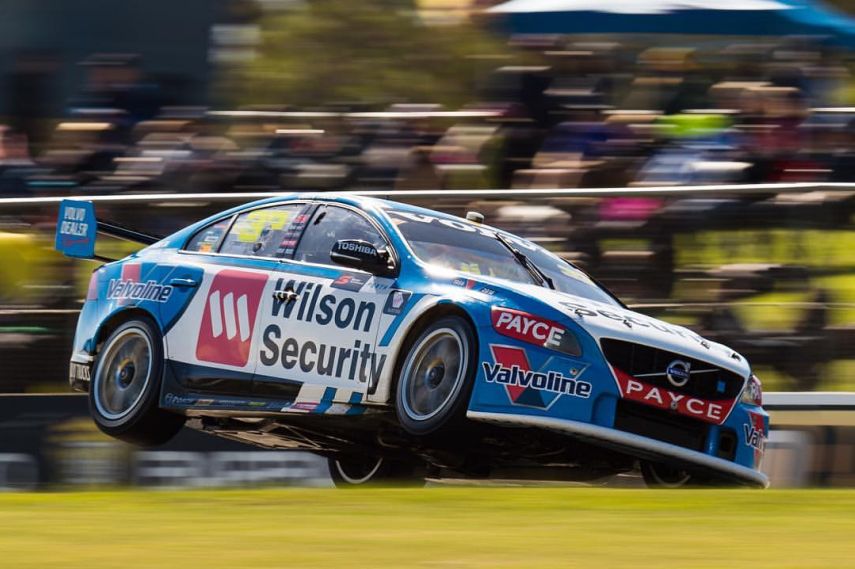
x: 721, y: 189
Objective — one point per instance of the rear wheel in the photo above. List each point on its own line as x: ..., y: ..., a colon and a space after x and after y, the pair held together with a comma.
x: 351, y: 471
x: 658, y: 475
x: 436, y: 377
x: 123, y: 395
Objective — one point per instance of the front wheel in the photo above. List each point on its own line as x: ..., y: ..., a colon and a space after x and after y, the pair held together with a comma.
x: 351, y: 471
x: 123, y: 396
x: 436, y: 377
x: 658, y: 475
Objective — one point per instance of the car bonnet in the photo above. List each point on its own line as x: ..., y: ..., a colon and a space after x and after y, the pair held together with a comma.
x: 602, y: 320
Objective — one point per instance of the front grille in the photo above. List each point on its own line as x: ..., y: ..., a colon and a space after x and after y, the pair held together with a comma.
x: 660, y: 425
x: 648, y: 364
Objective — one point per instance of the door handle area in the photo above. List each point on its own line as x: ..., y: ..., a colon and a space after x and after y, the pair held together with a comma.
x: 184, y: 283
x: 285, y: 295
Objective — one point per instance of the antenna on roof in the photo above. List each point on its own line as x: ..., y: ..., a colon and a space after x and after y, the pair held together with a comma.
x: 474, y: 217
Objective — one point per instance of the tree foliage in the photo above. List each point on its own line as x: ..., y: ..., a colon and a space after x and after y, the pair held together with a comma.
x: 367, y: 51
x: 846, y: 5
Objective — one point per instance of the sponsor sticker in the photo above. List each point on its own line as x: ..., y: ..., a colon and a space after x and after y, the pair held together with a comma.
x: 322, y: 306
x: 351, y: 282
x: 180, y: 400
x: 357, y: 362
x: 356, y: 246
x: 396, y: 301
x: 399, y: 217
x: 78, y: 372
x: 253, y: 225
x: 119, y: 289
x: 533, y: 388
x: 581, y: 311
x: 633, y: 389
x: 754, y: 433
x: 231, y: 307
x: 465, y: 283
x: 535, y: 330
x: 317, y: 304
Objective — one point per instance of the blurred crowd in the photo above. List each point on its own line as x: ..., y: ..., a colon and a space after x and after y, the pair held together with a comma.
x: 581, y: 114
x: 767, y: 273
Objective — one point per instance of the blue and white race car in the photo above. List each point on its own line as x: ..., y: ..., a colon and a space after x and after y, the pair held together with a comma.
x: 401, y: 343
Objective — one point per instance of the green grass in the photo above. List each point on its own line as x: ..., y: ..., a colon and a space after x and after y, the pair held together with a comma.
x: 434, y: 527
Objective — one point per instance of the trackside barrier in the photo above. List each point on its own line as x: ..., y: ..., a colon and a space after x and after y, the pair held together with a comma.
x: 813, y: 438
x: 50, y: 441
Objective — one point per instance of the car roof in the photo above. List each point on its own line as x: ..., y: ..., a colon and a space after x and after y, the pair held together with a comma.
x: 350, y: 199
x: 369, y: 204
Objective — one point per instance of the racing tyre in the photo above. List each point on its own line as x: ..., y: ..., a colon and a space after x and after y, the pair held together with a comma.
x: 436, y: 377
x: 123, y: 396
x: 352, y: 471
x: 657, y: 475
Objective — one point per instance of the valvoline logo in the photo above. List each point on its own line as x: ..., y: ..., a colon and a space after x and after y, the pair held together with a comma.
x: 231, y: 308
x: 532, y: 388
x: 755, y: 436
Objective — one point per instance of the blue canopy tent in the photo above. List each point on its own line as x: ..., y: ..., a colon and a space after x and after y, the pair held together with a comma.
x: 709, y: 17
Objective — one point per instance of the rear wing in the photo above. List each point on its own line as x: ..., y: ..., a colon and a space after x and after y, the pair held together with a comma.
x: 77, y: 229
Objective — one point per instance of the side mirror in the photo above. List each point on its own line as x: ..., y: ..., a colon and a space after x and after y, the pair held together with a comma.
x: 362, y: 255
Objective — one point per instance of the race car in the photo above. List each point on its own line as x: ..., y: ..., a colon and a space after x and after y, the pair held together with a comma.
x: 401, y: 343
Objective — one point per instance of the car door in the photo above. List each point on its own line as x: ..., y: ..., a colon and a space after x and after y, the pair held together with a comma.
x: 212, y: 348
x: 321, y: 326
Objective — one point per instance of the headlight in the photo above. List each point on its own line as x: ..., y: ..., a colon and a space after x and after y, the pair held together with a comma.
x: 753, y: 392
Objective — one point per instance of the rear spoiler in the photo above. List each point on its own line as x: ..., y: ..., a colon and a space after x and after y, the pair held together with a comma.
x: 77, y: 228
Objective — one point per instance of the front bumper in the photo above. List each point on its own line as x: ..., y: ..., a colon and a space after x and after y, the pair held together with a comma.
x: 632, y: 444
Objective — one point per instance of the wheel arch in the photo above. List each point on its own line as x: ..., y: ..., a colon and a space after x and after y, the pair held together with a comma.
x: 115, y: 320
x: 144, y: 422
x: 443, y: 307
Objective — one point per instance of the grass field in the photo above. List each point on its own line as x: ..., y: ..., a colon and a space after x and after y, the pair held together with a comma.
x: 433, y: 527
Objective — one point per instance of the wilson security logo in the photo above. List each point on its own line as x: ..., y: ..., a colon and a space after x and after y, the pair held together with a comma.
x: 225, y: 336
x: 231, y: 314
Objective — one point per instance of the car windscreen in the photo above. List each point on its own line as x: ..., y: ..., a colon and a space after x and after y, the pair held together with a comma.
x: 470, y: 248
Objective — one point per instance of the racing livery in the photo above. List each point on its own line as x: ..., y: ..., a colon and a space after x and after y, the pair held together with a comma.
x: 401, y: 343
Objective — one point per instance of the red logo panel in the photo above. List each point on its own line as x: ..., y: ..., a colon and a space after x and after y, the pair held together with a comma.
x: 535, y: 330
x: 634, y: 389
x: 509, y: 357
x: 526, y: 327
x: 231, y: 308
x: 755, y: 436
x: 130, y: 272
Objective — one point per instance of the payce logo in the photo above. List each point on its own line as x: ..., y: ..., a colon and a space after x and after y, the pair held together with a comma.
x: 225, y: 336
